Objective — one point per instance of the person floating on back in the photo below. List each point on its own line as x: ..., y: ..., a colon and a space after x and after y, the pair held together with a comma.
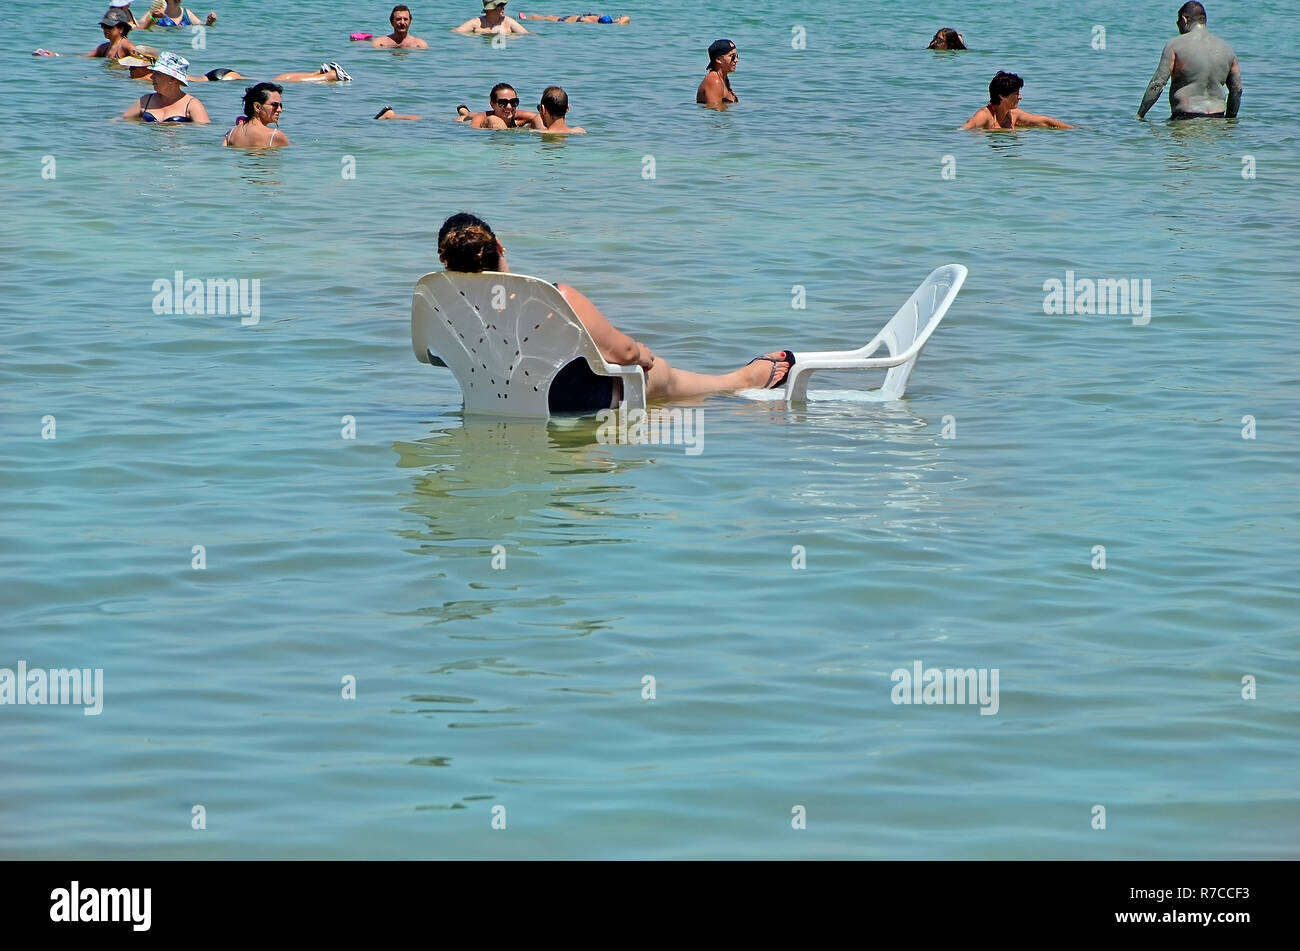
x: 1002, y: 112
x: 1201, y: 64
x: 578, y: 18
x: 401, y: 37
x: 551, y: 112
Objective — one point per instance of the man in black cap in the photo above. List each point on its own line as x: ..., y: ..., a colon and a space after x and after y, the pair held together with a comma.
x: 716, y: 89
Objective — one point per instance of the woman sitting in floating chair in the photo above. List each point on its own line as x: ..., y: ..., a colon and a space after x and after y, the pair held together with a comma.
x: 557, y: 353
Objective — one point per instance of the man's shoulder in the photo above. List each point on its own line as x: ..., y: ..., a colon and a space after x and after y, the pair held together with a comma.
x: 1224, y: 45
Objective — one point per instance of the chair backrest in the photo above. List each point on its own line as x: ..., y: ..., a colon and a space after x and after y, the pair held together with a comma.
x: 503, y: 336
x: 911, y: 326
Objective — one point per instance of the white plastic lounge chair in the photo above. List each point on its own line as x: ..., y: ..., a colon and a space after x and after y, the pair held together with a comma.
x: 457, y: 319
x: 505, y: 337
x: 904, y: 337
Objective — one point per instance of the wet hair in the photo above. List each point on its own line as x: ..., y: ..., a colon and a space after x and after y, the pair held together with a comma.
x: 1003, y: 84
x: 466, y: 243
x: 397, y: 9
x: 556, y: 101
x: 256, y: 95
x: 492, y: 96
x: 1195, y: 12
x: 946, y: 39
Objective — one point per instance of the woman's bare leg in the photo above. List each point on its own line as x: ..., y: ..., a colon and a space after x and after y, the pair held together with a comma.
x: 665, y: 382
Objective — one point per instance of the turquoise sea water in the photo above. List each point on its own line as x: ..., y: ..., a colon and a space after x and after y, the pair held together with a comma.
x: 522, y: 687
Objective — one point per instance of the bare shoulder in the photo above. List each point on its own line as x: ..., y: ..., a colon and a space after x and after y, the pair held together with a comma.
x: 574, y: 296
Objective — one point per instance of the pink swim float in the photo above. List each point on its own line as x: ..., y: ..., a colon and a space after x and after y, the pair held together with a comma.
x: 362, y: 36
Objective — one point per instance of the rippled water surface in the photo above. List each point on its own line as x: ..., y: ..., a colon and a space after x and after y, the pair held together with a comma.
x: 522, y: 687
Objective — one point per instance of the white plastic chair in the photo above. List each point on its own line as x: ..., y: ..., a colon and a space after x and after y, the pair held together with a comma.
x: 505, y: 337
x: 904, y: 337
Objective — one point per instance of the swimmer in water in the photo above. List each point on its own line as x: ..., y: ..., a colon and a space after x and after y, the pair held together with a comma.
x: 168, y: 103
x: 715, y: 89
x: 388, y: 113
x: 218, y: 75
x: 493, y: 20
x: 401, y: 38
x: 125, y: 7
x: 139, y: 64
x: 328, y: 73
x: 947, y: 39
x: 1200, y: 64
x: 116, y: 26
x: 170, y: 13
x: 578, y: 18
x: 551, y: 112
x: 1002, y: 112
x: 505, y: 113
x: 263, y: 107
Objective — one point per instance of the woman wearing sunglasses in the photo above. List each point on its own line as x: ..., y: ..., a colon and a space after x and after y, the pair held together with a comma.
x: 716, y: 87
x: 505, y: 113
x: 263, y: 106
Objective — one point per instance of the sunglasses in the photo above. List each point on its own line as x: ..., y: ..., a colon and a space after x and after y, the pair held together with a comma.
x: 274, y: 105
x: 508, y: 102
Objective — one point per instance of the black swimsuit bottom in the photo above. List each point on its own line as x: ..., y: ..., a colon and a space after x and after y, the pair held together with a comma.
x: 576, y: 389
x: 1199, y: 115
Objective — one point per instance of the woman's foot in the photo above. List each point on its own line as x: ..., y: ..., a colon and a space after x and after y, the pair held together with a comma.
x: 757, y: 374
